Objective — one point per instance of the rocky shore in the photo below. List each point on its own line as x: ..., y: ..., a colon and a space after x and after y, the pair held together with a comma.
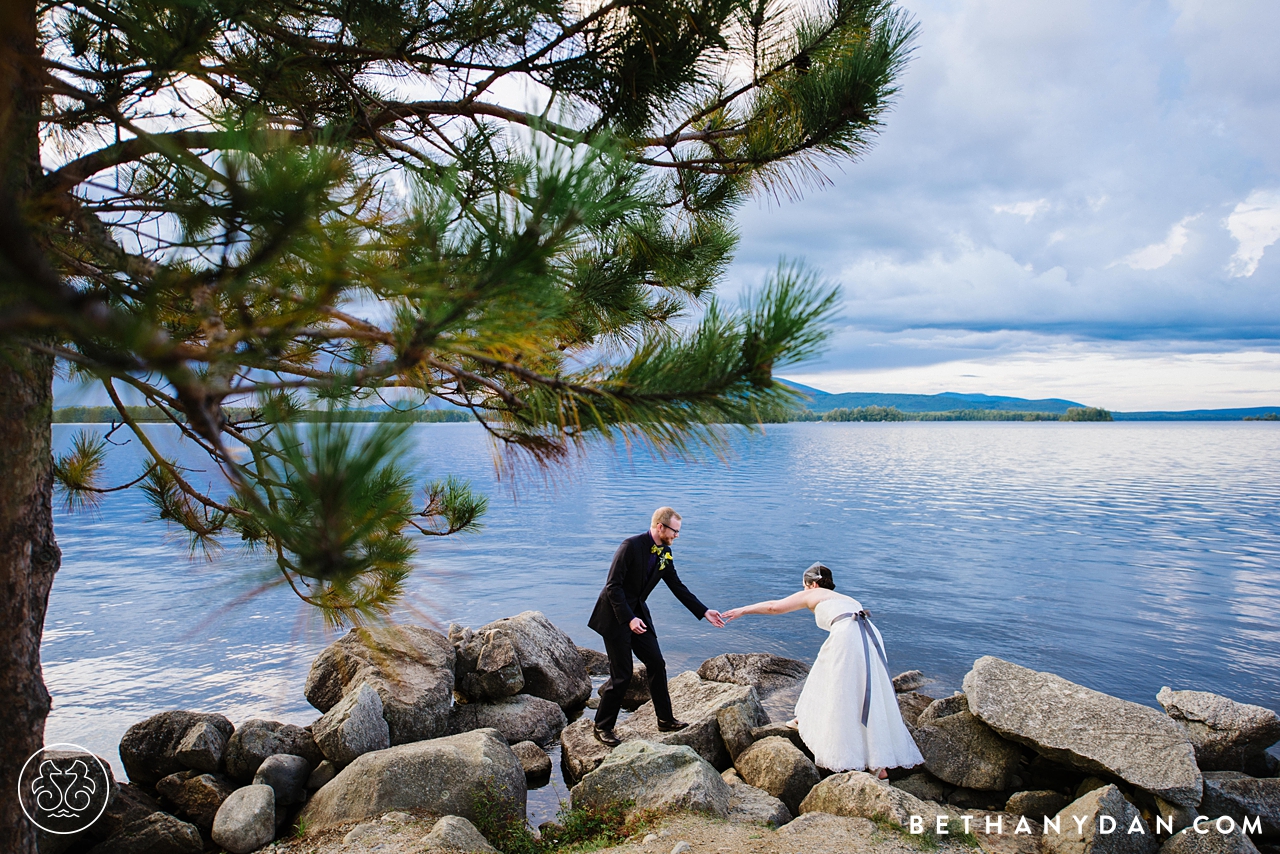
x: 423, y: 737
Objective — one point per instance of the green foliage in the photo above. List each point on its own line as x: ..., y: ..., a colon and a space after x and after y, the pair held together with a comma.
x: 578, y: 829
x: 77, y: 471
x: 1086, y: 413
x: 1267, y: 416
x: 269, y: 213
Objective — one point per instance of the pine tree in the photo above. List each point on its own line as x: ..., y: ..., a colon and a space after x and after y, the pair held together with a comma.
x: 237, y: 211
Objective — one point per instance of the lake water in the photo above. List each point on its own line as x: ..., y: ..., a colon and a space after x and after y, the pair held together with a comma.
x: 1122, y: 556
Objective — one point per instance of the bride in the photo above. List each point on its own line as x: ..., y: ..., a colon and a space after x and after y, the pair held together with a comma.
x: 847, y: 713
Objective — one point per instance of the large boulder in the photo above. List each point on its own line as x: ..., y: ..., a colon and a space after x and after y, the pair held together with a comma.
x: 776, y: 766
x: 410, y: 667
x: 487, y: 668
x: 204, y: 745
x: 157, y: 833
x: 662, y: 777
x: 255, y: 740
x: 1086, y: 729
x: 550, y: 664
x: 286, y: 775
x: 857, y: 793
x: 927, y: 787
x: 353, y: 727
x: 247, y: 820
x: 777, y: 680
x: 519, y: 718
x: 196, y: 796
x: 736, y: 727
x: 911, y: 680
x: 580, y: 751
x: 697, y: 702
x: 749, y: 805
x: 1237, y: 795
x: 130, y: 804
x: 962, y: 750
x: 1210, y: 841
x: 446, y: 776
x: 455, y: 834
x: 149, y: 750
x: 1101, y: 822
x: 790, y: 733
x: 1227, y: 736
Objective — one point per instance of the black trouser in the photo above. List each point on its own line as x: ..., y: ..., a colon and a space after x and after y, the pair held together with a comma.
x: 620, y: 648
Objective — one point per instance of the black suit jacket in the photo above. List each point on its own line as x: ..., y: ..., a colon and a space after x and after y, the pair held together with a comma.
x: 632, y: 576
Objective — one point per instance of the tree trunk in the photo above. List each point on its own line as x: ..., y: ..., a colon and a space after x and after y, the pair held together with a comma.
x: 29, y: 555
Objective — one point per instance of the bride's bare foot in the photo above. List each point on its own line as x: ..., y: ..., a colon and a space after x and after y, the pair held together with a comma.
x: 882, y: 773
x: 794, y: 723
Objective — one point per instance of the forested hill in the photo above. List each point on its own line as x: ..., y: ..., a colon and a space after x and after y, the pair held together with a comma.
x: 821, y: 401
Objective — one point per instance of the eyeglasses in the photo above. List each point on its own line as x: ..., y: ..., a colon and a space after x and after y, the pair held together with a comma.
x: 675, y: 531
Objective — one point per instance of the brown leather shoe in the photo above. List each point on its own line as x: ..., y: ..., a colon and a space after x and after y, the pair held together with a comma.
x: 671, y: 726
x: 607, y: 737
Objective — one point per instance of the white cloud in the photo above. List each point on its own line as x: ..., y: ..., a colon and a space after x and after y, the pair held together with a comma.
x: 1255, y: 224
x: 1156, y: 255
x: 1026, y: 209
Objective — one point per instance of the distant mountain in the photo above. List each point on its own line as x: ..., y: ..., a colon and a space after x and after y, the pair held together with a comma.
x: 1198, y: 414
x: 821, y: 401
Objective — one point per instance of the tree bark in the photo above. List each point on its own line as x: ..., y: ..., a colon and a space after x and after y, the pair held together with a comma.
x: 29, y: 555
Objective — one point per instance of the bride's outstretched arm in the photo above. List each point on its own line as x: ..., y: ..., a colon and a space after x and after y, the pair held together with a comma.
x: 794, y: 602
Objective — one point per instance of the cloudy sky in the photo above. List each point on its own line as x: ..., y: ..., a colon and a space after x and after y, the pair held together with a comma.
x: 1070, y: 199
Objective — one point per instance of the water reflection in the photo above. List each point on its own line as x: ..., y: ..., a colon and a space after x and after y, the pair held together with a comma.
x: 1123, y: 556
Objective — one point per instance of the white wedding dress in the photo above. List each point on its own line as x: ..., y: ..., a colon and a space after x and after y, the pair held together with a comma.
x: 830, y: 708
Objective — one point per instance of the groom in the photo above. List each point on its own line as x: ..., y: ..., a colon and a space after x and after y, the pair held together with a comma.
x: 622, y: 619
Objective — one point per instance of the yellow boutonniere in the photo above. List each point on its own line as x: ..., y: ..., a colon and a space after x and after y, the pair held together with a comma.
x: 663, y: 558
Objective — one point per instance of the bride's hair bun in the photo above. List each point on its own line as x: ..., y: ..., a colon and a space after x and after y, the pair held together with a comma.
x: 819, y: 575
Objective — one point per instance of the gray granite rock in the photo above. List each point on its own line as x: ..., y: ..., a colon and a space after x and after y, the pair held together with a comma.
x: 782, y: 731
x: 487, y: 667
x: 911, y: 704
x: 157, y: 833
x: 857, y: 793
x: 255, y: 740
x: 445, y: 776
x: 749, y: 805
x: 1086, y: 729
x: 453, y: 833
x: 736, y: 723
x: 597, y: 662
x: 130, y: 804
x: 247, y: 820
x: 196, y: 796
x: 410, y: 667
x: 925, y: 786
x: 353, y: 727
x: 149, y: 749
x: 1238, y: 795
x: 287, y: 776
x: 1101, y: 822
x: 1190, y: 841
x: 323, y: 773
x: 535, y: 762
x: 963, y: 751
x: 519, y: 718
x: 203, y: 747
x: 777, y: 680
x: 777, y: 767
x: 662, y: 777
x: 580, y: 751
x: 697, y: 702
x: 1227, y: 736
x: 911, y: 680
x: 1036, y: 804
x: 550, y: 664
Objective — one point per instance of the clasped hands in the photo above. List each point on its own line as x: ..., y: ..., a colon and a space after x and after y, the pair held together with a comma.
x: 712, y: 615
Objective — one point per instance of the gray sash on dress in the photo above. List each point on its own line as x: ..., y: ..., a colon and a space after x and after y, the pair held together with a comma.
x: 864, y: 624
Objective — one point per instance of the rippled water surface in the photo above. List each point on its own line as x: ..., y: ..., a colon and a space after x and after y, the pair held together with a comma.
x: 1122, y: 556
